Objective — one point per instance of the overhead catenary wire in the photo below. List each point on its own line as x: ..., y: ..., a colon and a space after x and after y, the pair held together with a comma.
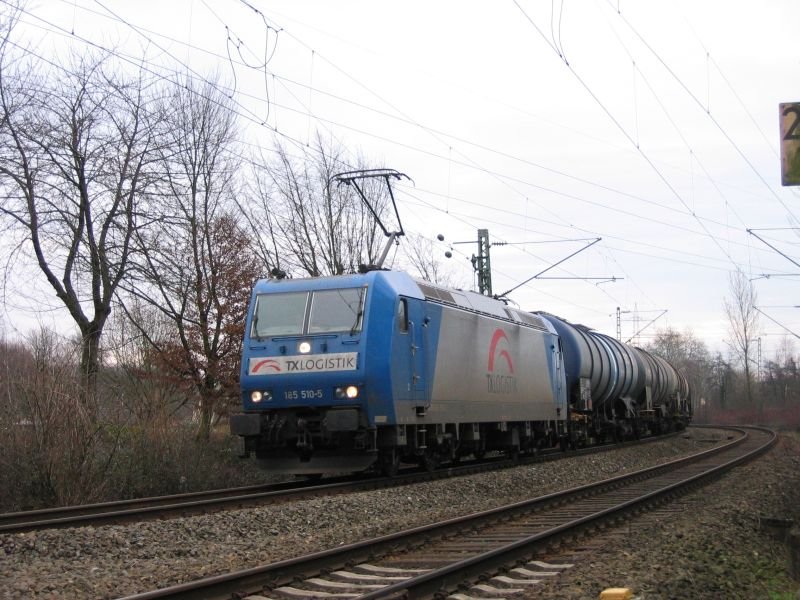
x: 298, y: 142
x: 584, y: 230
x: 667, y: 113
x: 540, y: 166
x: 486, y: 206
x: 226, y: 28
x: 678, y: 262
x: 619, y: 126
x: 137, y: 28
x: 713, y: 119
x: 253, y: 8
x: 133, y: 27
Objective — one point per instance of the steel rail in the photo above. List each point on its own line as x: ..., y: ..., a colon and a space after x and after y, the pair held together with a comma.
x: 275, y: 575
x: 190, y: 503
x: 440, y: 581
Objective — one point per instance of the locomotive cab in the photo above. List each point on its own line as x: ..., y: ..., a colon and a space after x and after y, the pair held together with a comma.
x: 301, y: 377
x: 317, y: 373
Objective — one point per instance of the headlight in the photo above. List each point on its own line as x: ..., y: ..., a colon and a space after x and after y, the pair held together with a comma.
x: 304, y: 348
x: 350, y: 392
x: 257, y: 396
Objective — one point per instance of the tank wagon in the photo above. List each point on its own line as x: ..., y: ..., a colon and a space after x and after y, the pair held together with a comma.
x: 365, y: 371
x: 617, y: 391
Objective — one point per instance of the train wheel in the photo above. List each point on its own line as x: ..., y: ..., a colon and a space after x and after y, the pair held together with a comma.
x: 429, y: 462
x: 480, y: 452
x: 390, y: 463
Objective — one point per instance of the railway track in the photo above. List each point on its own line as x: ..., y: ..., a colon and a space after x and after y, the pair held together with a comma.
x: 460, y: 558
x: 187, y: 504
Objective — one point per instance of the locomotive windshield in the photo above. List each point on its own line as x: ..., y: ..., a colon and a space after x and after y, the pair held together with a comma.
x: 336, y: 310
x: 279, y: 314
x: 302, y: 313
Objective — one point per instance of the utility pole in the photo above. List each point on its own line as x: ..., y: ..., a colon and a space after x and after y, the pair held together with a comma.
x: 482, y: 264
x: 758, y: 372
x: 636, y: 321
x: 619, y: 321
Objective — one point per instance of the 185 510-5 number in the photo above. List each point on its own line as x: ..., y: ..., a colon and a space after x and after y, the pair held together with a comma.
x: 302, y: 394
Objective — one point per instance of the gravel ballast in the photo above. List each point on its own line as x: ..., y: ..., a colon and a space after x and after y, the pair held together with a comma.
x: 118, y: 560
x: 713, y: 543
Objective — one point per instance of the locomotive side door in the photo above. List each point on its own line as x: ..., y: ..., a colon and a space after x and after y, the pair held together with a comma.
x: 558, y: 377
x: 415, y: 339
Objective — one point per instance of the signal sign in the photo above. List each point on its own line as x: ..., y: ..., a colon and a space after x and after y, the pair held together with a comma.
x: 790, y: 143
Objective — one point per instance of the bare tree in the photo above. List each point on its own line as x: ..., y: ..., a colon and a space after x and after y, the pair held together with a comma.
x: 75, y: 145
x: 317, y: 229
x: 52, y: 449
x: 252, y: 207
x: 688, y: 354
x: 679, y: 347
x: 743, y: 322
x: 195, y: 264
x: 143, y: 388
x: 781, y: 383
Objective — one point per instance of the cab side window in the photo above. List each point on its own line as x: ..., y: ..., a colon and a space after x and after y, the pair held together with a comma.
x: 402, y: 315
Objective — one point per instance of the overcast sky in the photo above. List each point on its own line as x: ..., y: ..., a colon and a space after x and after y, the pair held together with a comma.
x: 651, y: 125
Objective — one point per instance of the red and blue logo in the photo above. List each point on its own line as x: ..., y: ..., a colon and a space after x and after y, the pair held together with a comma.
x: 500, y: 377
x: 265, y: 366
x: 494, y: 353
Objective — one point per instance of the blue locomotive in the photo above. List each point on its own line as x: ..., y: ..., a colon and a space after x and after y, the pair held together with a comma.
x: 365, y: 371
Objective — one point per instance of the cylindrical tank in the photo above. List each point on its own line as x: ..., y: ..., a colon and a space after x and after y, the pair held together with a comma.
x: 664, y: 381
x: 584, y: 359
x: 609, y: 369
x: 630, y: 380
x: 670, y: 377
x: 655, y: 379
x: 600, y: 371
